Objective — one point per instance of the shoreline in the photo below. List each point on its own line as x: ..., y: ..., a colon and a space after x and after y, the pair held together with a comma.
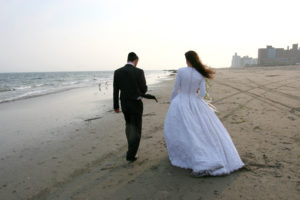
x: 86, y: 160
x: 20, y: 87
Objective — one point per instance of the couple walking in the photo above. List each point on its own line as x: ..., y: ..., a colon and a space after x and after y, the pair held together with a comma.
x: 196, y: 139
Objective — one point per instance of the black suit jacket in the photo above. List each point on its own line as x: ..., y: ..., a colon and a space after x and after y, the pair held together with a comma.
x: 131, y: 82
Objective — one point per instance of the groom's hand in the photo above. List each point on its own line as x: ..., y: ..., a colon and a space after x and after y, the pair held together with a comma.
x: 117, y: 110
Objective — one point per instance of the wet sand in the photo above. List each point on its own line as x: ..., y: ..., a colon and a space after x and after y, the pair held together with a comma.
x: 260, y: 107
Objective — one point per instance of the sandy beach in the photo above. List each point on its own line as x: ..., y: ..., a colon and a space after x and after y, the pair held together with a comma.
x: 85, y: 159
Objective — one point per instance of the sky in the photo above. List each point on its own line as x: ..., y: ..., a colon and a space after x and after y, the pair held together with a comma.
x: 84, y: 35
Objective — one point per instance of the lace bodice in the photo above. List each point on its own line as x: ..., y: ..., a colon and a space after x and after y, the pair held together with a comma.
x: 188, y: 82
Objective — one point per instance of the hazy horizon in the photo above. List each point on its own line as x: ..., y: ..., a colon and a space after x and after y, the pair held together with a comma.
x: 91, y: 35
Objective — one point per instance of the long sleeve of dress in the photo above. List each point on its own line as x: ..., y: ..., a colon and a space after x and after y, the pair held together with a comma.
x: 176, y: 86
x: 203, y: 88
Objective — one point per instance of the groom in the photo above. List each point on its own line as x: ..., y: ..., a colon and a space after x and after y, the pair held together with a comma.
x: 130, y: 80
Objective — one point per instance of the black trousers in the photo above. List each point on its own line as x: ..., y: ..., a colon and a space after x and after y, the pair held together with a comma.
x: 133, y: 133
x: 133, y: 112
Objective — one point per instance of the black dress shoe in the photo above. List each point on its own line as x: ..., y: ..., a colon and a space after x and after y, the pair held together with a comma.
x: 133, y: 159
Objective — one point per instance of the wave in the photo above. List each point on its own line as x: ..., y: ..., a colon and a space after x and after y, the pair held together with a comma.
x: 39, y: 85
x: 71, y: 83
x: 23, y: 87
x: 34, y: 94
x: 7, y: 89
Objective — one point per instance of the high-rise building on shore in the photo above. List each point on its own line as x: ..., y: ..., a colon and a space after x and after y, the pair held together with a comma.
x: 245, y: 61
x: 271, y: 56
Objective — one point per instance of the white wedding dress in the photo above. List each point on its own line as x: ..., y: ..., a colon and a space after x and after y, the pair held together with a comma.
x: 196, y: 139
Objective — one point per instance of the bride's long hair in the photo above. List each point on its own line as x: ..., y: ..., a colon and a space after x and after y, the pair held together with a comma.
x: 193, y: 58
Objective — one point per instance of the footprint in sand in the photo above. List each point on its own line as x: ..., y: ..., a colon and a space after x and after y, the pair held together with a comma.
x: 239, y: 121
x: 291, y: 118
x: 293, y: 110
x: 257, y: 128
x: 149, y: 114
x: 147, y: 137
x: 154, y: 167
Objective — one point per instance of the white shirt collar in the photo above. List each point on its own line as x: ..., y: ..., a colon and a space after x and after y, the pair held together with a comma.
x: 130, y: 63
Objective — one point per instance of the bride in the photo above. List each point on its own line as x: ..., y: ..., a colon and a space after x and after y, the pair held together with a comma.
x: 196, y: 139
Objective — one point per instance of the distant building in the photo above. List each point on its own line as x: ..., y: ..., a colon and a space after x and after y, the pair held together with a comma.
x: 236, y: 60
x: 271, y: 56
x: 245, y: 61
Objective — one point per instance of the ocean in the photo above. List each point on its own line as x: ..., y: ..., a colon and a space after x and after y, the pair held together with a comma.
x: 18, y: 86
